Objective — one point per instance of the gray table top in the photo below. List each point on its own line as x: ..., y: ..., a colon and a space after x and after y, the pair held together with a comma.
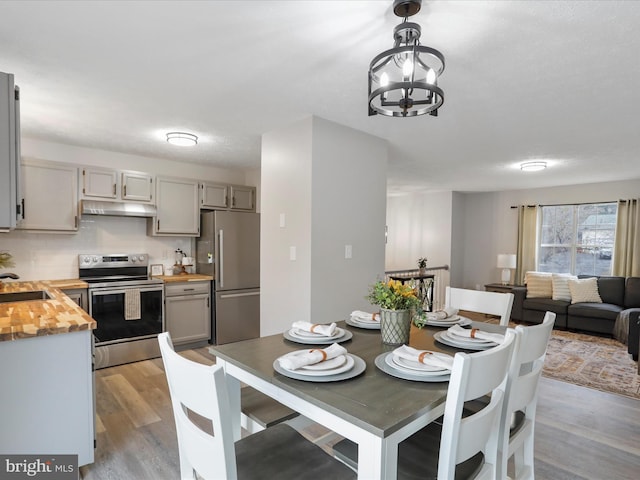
x: 374, y: 400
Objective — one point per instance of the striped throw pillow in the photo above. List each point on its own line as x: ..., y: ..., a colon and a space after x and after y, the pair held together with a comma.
x: 538, y: 284
x: 584, y: 290
x: 560, y: 284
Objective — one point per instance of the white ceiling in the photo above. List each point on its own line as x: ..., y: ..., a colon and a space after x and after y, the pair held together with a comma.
x: 524, y: 80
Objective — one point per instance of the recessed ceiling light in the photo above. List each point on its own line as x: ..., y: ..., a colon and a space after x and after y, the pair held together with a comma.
x: 182, y: 139
x: 533, y: 166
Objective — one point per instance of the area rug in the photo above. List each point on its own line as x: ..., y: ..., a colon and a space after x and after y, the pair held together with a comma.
x: 591, y: 361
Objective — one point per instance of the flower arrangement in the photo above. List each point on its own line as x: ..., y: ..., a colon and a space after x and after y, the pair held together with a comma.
x: 422, y: 262
x: 393, y: 295
x: 6, y: 260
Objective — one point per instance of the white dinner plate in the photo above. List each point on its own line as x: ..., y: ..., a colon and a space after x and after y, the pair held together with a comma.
x: 372, y: 325
x: 390, y: 360
x: 358, y: 367
x: 440, y: 337
x: 418, y: 366
x: 381, y: 363
x: 343, y: 367
x: 462, y: 321
x: 346, y: 335
x: 296, y: 332
x: 330, y: 364
x: 469, y: 340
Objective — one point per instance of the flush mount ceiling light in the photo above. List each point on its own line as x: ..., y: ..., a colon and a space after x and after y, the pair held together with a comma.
x: 403, y: 81
x: 533, y: 166
x: 182, y: 139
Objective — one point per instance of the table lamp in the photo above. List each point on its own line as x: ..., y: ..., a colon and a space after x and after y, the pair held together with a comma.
x: 506, y: 261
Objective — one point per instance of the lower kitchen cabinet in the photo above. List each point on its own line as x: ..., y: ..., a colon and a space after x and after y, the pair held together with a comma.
x: 78, y: 295
x: 47, y: 396
x: 188, y: 312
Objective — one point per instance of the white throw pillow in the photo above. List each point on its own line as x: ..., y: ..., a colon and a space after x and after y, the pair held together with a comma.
x: 584, y: 290
x: 560, y: 284
x: 538, y: 285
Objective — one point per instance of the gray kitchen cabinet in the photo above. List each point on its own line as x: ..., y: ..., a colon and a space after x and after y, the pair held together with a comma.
x: 214, y: 195
x: 47, y: 396
x: 99, y: 183
x: 80, y: 296
x: 50, y: 193
x: 243, y: 198
x: 10, y: 197
x: 178, y: 210
x: 220, y: 196
x: 108, y: 184
x: 137, y: 187
x: 188, y: 311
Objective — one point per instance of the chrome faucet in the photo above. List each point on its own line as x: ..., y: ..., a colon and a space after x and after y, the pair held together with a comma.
x: 9, y: 275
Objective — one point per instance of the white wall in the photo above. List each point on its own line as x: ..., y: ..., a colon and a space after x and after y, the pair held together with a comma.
x: 285, y: 288
x: 48, y: 256
x: 329, y: 182
x: 418, y: 225
x: 348, y: 208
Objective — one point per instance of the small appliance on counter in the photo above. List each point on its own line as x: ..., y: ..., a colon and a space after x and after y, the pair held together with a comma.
x: 127, y: 305
x: 229, y: 250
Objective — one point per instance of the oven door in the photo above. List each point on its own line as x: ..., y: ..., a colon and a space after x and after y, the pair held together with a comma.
x: 107, y: 307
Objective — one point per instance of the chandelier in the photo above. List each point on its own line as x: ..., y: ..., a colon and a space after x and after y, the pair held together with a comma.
x: 403, y: 81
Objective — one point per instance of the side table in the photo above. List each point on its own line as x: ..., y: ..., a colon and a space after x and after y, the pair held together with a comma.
x: 499, y: 287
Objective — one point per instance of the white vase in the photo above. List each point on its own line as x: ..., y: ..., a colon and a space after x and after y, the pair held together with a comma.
x: 395, y: 326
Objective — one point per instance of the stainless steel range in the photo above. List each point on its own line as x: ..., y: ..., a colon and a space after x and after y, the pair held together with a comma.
x: 127, y: 305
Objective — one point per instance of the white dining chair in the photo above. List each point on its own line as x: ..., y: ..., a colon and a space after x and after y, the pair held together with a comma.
x: 205, y: 440
x: 480, y: 301
x: 517, y: 421
x: 460, y: 448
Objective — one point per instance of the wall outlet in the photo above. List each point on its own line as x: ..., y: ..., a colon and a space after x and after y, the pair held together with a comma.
x: 348, y: 251
x: 282, y: 220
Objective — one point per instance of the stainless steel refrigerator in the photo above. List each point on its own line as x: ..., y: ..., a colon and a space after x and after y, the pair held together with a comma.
x: 229, y: 250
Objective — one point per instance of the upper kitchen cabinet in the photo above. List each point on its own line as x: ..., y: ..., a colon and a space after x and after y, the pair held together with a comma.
x: 50, y: 196
x: 137, y: 187
x: 178, y: 211
x: 106, y: 184
x: 220, y: 196
x: 10, y: 198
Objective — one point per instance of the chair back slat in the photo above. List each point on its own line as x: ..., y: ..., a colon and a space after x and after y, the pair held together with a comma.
x: 490, y: 303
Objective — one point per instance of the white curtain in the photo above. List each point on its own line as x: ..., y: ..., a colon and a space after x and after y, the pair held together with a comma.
x: 626, y: 252
x: 527, y: 240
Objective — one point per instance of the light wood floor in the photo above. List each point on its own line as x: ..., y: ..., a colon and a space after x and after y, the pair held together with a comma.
x: 580, y: 433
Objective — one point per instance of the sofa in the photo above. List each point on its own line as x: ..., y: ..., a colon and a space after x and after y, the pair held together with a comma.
x: 617, y: 294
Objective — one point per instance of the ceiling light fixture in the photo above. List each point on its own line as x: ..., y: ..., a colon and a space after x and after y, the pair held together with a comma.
x: 403, y: 81
x: 533, y: 166
x: 182, y: 139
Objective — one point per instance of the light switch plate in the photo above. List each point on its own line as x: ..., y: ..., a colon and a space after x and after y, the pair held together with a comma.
x: 348, y: 251
x: 292, y: 253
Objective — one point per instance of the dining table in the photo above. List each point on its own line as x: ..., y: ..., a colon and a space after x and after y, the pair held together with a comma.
x: 373, y: 409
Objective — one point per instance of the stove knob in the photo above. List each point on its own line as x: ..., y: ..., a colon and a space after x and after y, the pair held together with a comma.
x: 94, y: 259
x: 86, y: 260
x: 134, y: 259
x: 141, y: 258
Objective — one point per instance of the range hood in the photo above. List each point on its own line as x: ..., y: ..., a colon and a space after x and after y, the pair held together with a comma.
x: 118, y: 209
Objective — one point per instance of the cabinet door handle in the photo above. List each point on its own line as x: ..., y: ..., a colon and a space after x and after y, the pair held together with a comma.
x: 221, y: 257
x: 158, y: 228
x: 188, y: 289
x: 125, y: 190
x: 114, y: 189
x: 76, y: 221
x: 23, y: 209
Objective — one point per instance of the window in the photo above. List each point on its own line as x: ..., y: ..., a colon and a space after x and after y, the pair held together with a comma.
x: 577, y: 238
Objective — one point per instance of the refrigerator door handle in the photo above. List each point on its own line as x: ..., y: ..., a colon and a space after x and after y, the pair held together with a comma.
x: 221, y: 257
x: 235, y: 295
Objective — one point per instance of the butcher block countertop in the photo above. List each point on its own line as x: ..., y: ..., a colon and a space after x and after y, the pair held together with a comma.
x: 33, y: 318
x: 67, y: 284
x: 189, y: 277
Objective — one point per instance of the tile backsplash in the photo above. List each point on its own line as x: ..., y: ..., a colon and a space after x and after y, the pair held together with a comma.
x: 52, y: 256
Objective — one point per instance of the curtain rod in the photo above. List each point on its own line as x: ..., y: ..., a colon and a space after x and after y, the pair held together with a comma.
x: 563, y: 204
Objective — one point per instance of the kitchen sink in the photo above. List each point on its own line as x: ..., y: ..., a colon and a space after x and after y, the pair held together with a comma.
x: 23, y: 296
